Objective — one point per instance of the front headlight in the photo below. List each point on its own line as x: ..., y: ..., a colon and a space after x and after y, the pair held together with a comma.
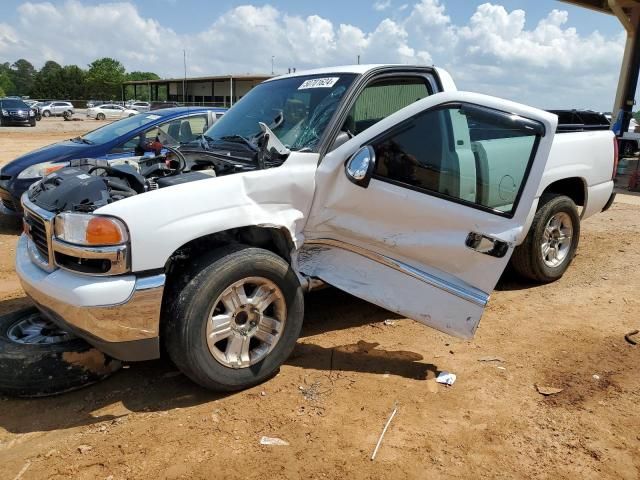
x: 87, y: 229
x: 40, y: 170
x: 5, y: 112
x: 31, y: 114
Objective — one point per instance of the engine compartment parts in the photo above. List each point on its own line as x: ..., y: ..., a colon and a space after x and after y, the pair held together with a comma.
x: 88, y: 184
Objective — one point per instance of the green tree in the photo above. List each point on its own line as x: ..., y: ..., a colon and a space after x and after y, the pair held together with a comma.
x: 6, y: 85
x: 22, y: 74
x: 2, y: 94
x: 48, y: 81
x: 104, y: 78
x: 73, y: 79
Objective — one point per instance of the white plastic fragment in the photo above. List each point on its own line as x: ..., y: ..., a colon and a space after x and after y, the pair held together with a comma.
x: 273, y: 441
x: 446, y: 378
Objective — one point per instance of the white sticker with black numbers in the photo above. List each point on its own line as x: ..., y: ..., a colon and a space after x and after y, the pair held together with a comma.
x: 319, y: 83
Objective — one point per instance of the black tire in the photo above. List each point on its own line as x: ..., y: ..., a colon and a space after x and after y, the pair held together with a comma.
x: 190, y: 300
x: 527, y: 258
x: 101, y: 116
x: 39, y: 370
x: 46, y: 113
x: 32, y: 123
x: 67, y: 114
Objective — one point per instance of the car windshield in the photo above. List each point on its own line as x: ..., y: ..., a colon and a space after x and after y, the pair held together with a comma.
x: 297, y: 109
x: 13, y: 103
x: 113, y: 130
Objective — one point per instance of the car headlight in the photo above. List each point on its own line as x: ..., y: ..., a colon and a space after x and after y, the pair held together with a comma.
x: 87, y: 229
x: 40, y: 170
x: 31, y: 114
x: 5, y: 112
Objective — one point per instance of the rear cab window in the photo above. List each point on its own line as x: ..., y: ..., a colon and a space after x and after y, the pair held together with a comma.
x: 382, y: 98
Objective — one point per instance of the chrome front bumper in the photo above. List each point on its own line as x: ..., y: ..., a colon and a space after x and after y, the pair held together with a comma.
x: 119, y: 315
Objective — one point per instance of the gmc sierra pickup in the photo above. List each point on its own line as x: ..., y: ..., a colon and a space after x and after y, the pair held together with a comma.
x: 383, y: 181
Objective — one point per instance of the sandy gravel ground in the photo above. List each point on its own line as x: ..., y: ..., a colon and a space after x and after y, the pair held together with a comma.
x: 332, y: 398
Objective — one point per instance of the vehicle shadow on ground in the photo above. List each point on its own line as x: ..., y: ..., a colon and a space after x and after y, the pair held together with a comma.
x: 157, y: 386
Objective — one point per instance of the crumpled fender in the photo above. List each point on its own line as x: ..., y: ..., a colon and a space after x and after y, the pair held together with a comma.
x: 163, y: 220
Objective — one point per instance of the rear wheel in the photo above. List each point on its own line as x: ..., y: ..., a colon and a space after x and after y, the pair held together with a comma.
x: 552, y: 240
x: 236, y: 319
x: 100, y: 116
x: 38, y: 359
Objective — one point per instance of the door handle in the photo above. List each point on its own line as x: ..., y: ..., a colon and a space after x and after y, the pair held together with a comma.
x: 487, y: 245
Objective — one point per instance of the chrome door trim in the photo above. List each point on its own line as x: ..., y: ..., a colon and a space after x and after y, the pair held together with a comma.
x: 475, y: 296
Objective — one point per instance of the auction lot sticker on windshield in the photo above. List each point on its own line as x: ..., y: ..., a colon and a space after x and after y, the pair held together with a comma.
x: 319, y: 83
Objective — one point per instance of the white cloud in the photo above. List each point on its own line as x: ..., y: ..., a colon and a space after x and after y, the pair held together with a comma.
x: 496, y: 51
x: 381, y: 5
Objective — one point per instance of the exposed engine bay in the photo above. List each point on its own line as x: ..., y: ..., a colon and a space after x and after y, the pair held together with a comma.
x: 88, y: 184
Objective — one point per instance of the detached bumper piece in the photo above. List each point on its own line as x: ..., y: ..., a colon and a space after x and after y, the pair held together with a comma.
x: 119, y: 315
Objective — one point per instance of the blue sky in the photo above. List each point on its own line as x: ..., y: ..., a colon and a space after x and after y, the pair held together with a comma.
x: 542, y: 52
x: 179, y: 14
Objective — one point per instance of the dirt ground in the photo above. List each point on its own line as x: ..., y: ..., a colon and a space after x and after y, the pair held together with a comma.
x: 331, y: 399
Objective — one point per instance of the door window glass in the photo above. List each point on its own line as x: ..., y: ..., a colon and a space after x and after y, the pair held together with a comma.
x: 382, y: 98
x: 468, y: 153
x: 172, y: 133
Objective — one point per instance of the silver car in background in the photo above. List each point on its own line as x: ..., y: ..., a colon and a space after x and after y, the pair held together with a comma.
x: 55, y: 108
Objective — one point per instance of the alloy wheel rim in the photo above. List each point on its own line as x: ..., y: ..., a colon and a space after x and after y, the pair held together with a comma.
x: 556, y: 239
x: 246, y: 322
x: 37, y: 330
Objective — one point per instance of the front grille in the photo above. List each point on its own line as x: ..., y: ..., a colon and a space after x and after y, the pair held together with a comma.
x: 38, y: 233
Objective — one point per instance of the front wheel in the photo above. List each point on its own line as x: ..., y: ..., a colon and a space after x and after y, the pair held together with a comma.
x: 552, y: 240
x: 100, y: 116
x: 236, y: 318
x: 46, y: 113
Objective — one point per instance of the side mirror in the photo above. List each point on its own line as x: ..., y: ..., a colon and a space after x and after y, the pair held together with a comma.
x: 341, y: 139
x: 359, y: 168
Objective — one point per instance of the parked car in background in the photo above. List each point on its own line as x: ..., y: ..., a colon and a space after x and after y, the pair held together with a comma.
x: 158, y: 105
x: 54, y: 108
x: 140, y: 106
x: 31, y: 103
x: 580, y: 120
x: 113, y: 141
x: 16, y: 111
x: 110, y: 111
x: 94, y: 103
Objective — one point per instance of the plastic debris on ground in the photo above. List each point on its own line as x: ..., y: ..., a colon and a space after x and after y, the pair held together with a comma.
x: 546, y: 391
x: 273, y: 441
x: 446, y: 378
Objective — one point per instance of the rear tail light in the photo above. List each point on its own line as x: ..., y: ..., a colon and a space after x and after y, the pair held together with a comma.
x: 615, y: 158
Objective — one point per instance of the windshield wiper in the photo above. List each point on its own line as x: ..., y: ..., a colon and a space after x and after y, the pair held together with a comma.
x: 239, y: 139
x: 81, y: 140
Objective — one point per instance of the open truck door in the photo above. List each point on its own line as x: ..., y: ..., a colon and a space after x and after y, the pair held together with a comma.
x: 420, y: 213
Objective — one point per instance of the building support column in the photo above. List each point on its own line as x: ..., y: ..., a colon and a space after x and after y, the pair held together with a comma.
x: 628, y: 81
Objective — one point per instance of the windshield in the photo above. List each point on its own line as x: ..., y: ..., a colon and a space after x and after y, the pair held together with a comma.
x: 113, y: 130
x: 297, y: 109
x: 11, y: 103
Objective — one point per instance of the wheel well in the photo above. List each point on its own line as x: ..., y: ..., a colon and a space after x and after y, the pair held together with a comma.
x: 274, y: 239
x: 574, y: 188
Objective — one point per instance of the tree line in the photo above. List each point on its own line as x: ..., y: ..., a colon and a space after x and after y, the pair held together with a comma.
x: 101, y: 80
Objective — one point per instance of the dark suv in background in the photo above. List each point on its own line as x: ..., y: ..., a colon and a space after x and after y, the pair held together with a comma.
x: 13, y: 110
x: 581, y: 120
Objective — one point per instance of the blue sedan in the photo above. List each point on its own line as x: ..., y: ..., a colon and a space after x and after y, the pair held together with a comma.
x: 124, y: 138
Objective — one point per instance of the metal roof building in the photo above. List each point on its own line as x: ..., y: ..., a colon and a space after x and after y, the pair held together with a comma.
x: 216, y: 90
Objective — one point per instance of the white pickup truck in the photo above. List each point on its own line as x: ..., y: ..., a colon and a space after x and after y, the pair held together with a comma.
x: 383, y: 181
